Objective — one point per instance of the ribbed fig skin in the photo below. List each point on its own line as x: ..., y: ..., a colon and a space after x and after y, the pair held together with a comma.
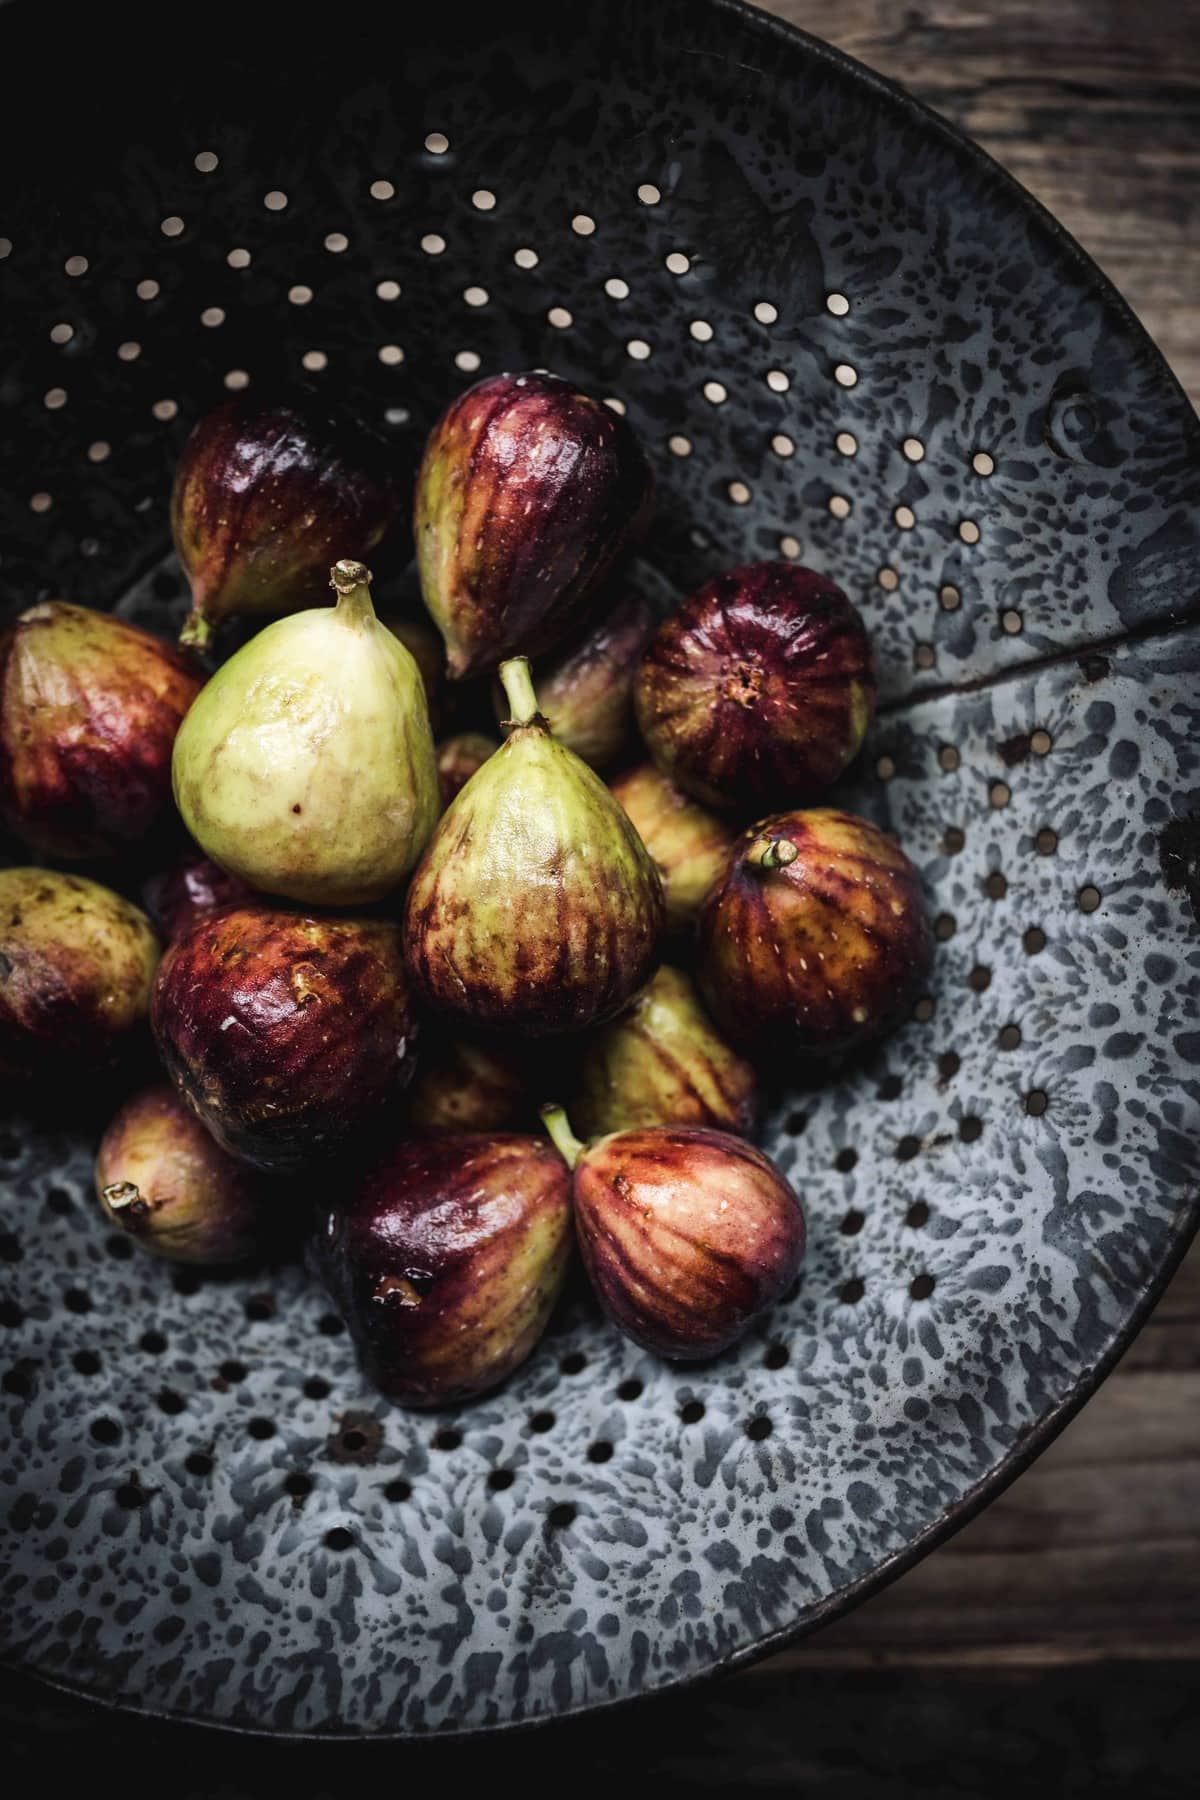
x: 529, y: 493
x: 288, y: 1035
x: 821, y: 955
x: 447, y: 1260
x: 758, y: 691
x: 689, y: 845
x: 687, y: 1235
x: 586, y: 691
x: 457, y: 760
x: 89, y: 709
x: 463, y: 1084
x: 187, y: 890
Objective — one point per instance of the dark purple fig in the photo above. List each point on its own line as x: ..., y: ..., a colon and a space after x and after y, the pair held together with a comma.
x: 89, y: 708
x: 457, y: 760
x: 267, y: 495
x: 688, y: 1235
x: 446, y: 1262
x: 688, y: 845
x: 189, y: 888
x: 758, y: 691
x: 425, y: 647
x: 815, y: 939
x: 528, y: 495
x: 288, y: 1035
x: 162, y: 1179
x: 465, y: 1084
x: 76, y: 967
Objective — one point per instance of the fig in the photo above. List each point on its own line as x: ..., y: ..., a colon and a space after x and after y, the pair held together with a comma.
x: 758, y: 691
x: 89, y: 709
x: 457, y: 760
x: 687, y: 1234
x: 535, y: 908
x: 815, y: 938
x: 446, y: 1261
x: 287, y: 1035
x: 161, y: 1178
x: 688, y: 844
x: 663, y: 1062
x: 528, y: 495
x: 76, y: 966
x: 465, y: 1084
x: 306, y: 766
x: 265, y: 494
x: 425, y: 647
x: 189, y: 888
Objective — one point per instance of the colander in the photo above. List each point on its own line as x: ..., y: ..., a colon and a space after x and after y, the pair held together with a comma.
x: 844, y: 336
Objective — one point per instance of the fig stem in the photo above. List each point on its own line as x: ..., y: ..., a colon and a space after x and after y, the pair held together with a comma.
x: 351, y: 582
x: 197, y: 631
x: 555, y: 1120
x: 770, y: 853
x: 517, y: 683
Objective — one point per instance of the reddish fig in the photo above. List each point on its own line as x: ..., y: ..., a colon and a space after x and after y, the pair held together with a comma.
x: 688, y: 844
x: 188, y: 889
x: 815, y: 938
x: 266, y: 496
x: 89, y: 708
x: 76, y: 965
x: 457, y: 760
x: 529, y: 493
x: 446, y: 1262
x: 687, y: 1234
x: 759, y: 690
x: 164, y: 1180
x: 586, y: 692
x: 465, y: 1084
x: 287, y: 1035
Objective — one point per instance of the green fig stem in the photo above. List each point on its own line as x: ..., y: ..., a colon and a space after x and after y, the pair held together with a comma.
x: 554, y: 1118
x: 351, y: 582
x: 197, y: 631
x: 517, y: 683
x: 770, y: 853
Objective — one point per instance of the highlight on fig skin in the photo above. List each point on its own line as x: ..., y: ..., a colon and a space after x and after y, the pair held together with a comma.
x: 689, y: 845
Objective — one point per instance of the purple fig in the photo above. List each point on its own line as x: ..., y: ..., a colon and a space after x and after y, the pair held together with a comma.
x: 688, y: 1235
x: 76, y: 966
x: 287, y: 1035
x: 465, y: 1084
x: 190, y: 888
x: 89, y: 709
x: 688, y: 844
x: 457, y: 760
x: 758, y: 691
x: 528, y: 495
x: 166, y: 1182
x: 815, y: 938
x: 267, y: 495
x: 446, y: 1262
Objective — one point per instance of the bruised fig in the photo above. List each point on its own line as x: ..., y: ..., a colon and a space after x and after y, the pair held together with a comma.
x: 287, y: 1035
x: 446, y: 1262
x: 189, y: 888
x: 76, y: 965
x: 528, y: 495
x: 535, y: 908
x: 306, y: 766
x: 759, y: 689
x: 465, y: 1084
x: 425, y: 647
x: 687, y: 1234
x: 265, y: 495
x: 89, y: 709
x: 663, y: 1062
x: 586, y: 692
x: 688, y: 844
x: 162, y: 1179
x: 815, y: 939
x: 457, y: 760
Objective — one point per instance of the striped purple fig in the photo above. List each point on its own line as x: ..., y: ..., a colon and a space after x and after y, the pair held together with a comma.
x: 187, y: 890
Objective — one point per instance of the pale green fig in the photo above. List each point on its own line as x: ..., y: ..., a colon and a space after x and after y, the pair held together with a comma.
x: 306, y: 765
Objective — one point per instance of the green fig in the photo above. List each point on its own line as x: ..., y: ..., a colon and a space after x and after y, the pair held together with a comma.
x: 306, y: 765
x: 689, y: 845
x: 536, y: 907
x: 425, y: 647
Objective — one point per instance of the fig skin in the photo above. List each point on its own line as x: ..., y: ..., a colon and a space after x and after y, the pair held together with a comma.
x: 663, y: 1062
x: 586, y: 692
x: 162, y: 1179
x: 266, y: 494
x: 815, y: 939
x: 689, y: 845
x: 457, y: 760
x: 288, y: 1035
x: 535, y: 908
x: 191, y: 887
x: 687, y: 1234
x: 76, y: 966
x: 89, y: 709
x: 528, y: 495
x: 758, y: 691
x: 425, y: 647
x: 446, y: 1261
x: 466, y: 1084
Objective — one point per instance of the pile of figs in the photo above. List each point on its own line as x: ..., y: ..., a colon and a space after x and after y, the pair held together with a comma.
x: 417, y: 906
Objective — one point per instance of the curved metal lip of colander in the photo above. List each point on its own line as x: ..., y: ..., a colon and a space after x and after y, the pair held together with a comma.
x: 1184, y: 1228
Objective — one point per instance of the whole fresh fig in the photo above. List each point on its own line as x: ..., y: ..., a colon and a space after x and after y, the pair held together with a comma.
x: 446, y: 1262
x: 457, y: 760
x: 759, y: 689
x: 164, y: 1180
x: 663, y: 1062
x: 425, y: 647
x: 687, y: 1234
x: 586, y: 691
x: 189, y: 888
x: 528, y: 495
x: 535, y: 908
x: 76, y: 966
x: 266, y: 493
x: 815, y: 939
x: 466, y: 1084
x: 289, y: 1036
x: 306, y: 767
x: 688, y: 844
x: 89, y: 709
